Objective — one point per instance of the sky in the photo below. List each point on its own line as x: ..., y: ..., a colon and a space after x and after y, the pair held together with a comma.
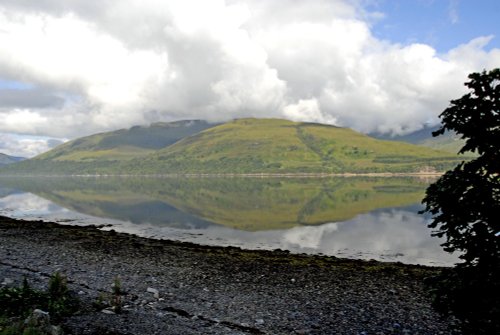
x: 77, y: 67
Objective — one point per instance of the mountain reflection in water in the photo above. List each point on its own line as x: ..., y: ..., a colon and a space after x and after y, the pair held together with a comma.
x: 369, y: 218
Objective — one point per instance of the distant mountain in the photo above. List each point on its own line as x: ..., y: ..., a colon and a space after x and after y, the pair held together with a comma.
x: 240, y: 146
x: 449, y: 142
x: 6, y: 159
x: 413, y: 137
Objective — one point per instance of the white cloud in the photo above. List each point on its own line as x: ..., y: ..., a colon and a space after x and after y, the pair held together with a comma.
x: 120, y: 63
x: 307, y: 111
x: 26, y: 146
x: 473, y: 55
x: 71, y: 54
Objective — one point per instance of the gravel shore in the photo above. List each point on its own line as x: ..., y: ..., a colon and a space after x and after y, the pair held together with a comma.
x: 182, y: 288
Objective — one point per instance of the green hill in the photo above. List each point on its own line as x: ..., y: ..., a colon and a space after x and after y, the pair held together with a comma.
x: 241, y: 146
x: 123, y: 144
x: 280, y: 146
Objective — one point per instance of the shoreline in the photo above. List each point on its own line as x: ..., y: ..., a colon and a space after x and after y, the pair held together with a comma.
x: 244, y: 175
x: 96, y: 230
x: 183, y: 288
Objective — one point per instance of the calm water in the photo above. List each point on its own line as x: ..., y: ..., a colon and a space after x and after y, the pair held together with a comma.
x: 369, y: 218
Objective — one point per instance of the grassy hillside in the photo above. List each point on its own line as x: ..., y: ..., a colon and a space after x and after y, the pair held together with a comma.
x: 241, y: 146
x: 280, y: 146
x: 123, y: 144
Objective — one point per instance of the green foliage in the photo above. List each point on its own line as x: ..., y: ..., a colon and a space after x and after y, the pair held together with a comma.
x: 465, y: 203
x: 33, y: 331
x: 59, y: 302
x: 116, y: 295
x: 17, y: 303
x: 111, y: 299
x: 20, y: 301
x: 19, y: 328
x: 13, y: 328
x: 100, y: 301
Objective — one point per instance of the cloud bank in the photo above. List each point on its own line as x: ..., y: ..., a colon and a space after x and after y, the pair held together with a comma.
x: 26, y: 146
x: 101, y: 65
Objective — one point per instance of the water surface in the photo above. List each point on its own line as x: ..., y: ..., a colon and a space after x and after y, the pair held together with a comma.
x: 368, y: 218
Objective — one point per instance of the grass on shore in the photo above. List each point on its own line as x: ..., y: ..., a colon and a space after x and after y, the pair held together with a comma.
x: 18, y: 303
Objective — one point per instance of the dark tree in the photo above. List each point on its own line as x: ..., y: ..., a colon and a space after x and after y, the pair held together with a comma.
x: 465, y: 204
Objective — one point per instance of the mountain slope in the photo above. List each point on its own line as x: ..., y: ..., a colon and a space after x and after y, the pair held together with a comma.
x: 448, y: 142
x: 241, y: 146
x: 6, y: 159
x: 124, y: 144
x: 280, y: 146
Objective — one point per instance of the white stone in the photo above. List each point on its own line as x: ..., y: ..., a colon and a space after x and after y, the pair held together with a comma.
x: 107, y: 311
x: 7, y: 281
x: 155, y: 292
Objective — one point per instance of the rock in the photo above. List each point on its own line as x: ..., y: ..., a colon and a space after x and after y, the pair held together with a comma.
x: 7, y: 281
x: 38, y: 318
x: 41, y: 321
x: 155, y: 292
x: 56, y: 330
x: 108, y: 311
x: 330, y: 299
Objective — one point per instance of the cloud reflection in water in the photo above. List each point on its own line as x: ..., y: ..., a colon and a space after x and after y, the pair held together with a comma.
x: 392, y: 234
